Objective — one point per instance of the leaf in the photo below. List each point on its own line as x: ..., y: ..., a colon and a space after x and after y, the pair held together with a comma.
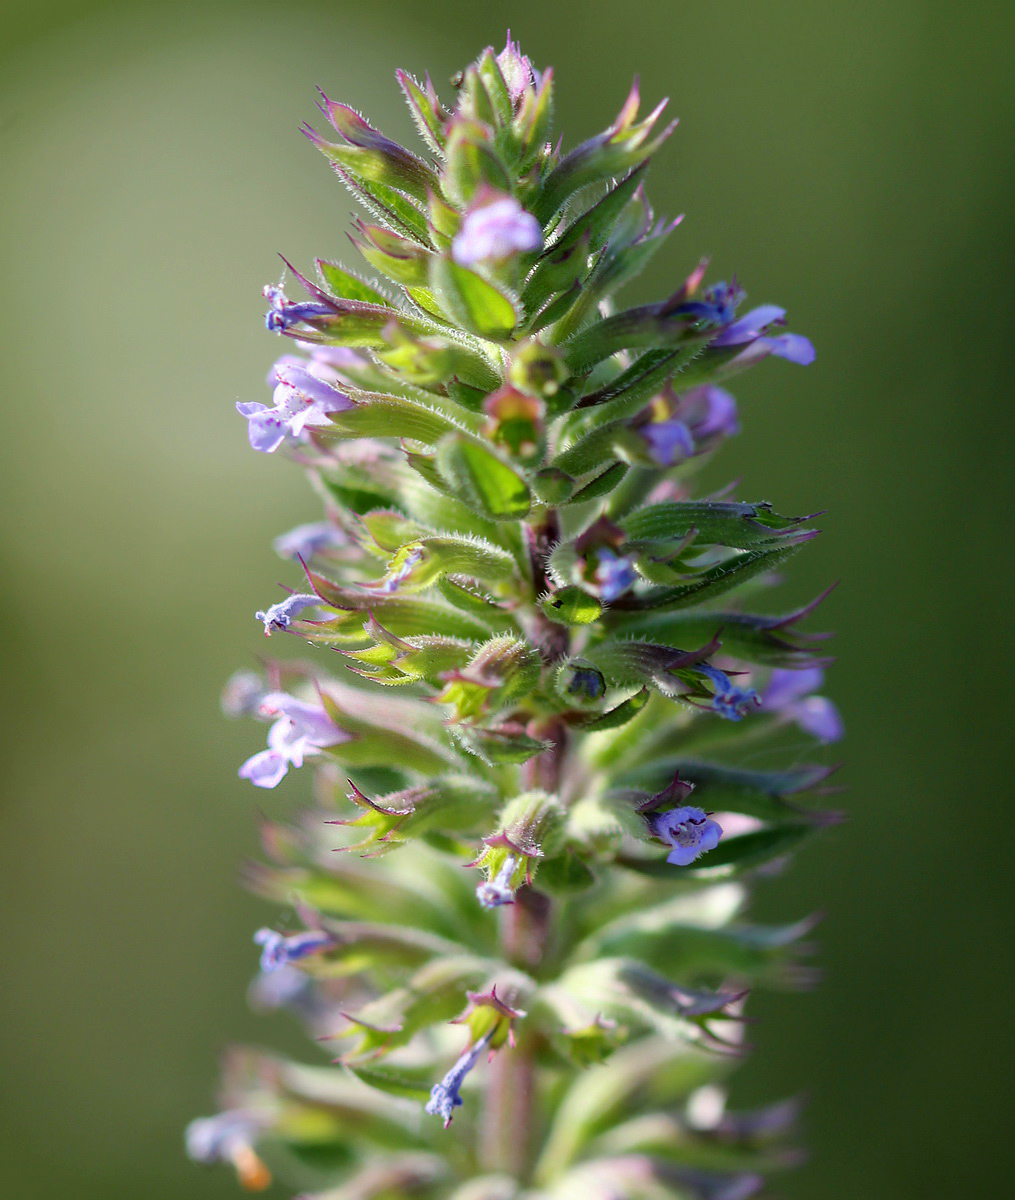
x: 714, y: 582
x: 395, y: 1083
x: 482, y: 479
x: 602, y: 485
x: 472, y: 301
x: 725, y: 523
x: 377, y: 415
x: 626, y: 711
x: 343, y: 283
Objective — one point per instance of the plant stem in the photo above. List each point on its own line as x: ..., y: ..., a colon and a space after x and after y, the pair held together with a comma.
x: 511, y: 1116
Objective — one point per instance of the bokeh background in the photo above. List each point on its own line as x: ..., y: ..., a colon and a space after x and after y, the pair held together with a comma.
x: 851, y: 160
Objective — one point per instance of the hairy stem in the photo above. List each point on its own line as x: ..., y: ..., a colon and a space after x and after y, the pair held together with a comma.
x: 511, y: 1117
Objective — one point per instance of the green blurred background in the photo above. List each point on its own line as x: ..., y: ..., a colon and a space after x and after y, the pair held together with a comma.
x: 851, y: 160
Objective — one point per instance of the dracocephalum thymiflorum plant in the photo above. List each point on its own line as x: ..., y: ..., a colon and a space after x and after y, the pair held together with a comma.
x: 514, y: 918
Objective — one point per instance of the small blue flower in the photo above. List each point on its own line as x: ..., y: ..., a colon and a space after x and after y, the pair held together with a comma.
x: 229, y: 1137
x: 669, y: 441
x: 284, y: 313
x: 280, y: 615
x: 494, y: 231
x: 242, y: 694
x: 280, y: 950
x: 689, y: 831
x: 789, y: 693
x: 751, y: 332
x: 492, y: 893
x: 729, y: 701
x: 301, y: 401
x: 711, y: 413
x: 307, y: 540
x: 614, y: 574
x: 299, y: 729
x: 444, y: 1097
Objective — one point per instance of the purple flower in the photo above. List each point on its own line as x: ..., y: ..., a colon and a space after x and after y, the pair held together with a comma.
x: 686, y: 425
x: 229, y: 1137
x: 729, y: 701
x: 669, y: 441
x: 282, y: 313
x: 300, y: 729
x: 307, y: 540
x: 492, y: 893
x: 280, y: 615
x: 242, y: 694
x: 750, y: 331
x: 789, y: 693
x: 614, y: 574
x: 444, y: 1097
x: 279, y: 950
x: 689, y: 831
x: 495, y: 231
x: 711, y: 412
x: 300, y: 400
x: 717, y: 304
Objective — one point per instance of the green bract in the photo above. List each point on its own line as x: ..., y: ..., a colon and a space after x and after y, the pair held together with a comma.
x: 531, y: 689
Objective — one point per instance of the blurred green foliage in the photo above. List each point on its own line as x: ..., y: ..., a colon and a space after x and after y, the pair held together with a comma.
x: 849, y: 160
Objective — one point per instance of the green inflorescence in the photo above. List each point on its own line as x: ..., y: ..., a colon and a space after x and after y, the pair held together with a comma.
x: 534, y: 693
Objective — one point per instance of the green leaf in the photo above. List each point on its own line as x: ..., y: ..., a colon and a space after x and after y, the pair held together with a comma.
x: 716, y: 581
x: 419, y: 564
x: 482, y: 479
x: 601, y: 485
x: 426, y: 110
x: 753, y: 849
x: 472, y: 301
x: 377, y: 415
x: 391, y: 206
x: 395, y: 1083
x: 565, y: 874
x: 472, y: 162
x: 626, y: 711
x: 725, y: 523
x: 401, y: 259
x: 348, y: 286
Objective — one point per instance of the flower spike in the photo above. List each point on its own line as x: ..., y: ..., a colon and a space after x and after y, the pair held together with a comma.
x: 552, y: 663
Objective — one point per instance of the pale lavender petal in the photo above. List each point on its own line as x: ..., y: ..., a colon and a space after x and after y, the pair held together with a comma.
x: 712, y: 412
x: 265, y: 429
x: 819, y: 717
x: 287, y: 360
x: 308, y: 721
x: 242, y: 694
x: 337, y: 357
x: 669, y: 442
x: 309, y: 388
x: 785, y: 686
x: 285, y: 739
x: 307, y: 540
x: 710, y: 835
x: 265, y: 770
x: 494, y: 232
x: 750, y: 325
x: 214, y: 1139
x: 682, y: 856
x: 793, y: 347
